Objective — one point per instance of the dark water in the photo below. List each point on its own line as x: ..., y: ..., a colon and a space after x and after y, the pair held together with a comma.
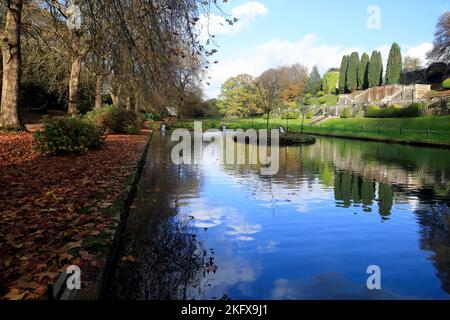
x: 310, y: 232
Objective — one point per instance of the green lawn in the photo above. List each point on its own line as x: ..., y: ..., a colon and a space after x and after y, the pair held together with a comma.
x: 434, y: 130
x: 426, y: 129
x: 256, y: 123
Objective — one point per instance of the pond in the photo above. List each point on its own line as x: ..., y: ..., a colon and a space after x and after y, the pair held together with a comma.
x: 214, y: 231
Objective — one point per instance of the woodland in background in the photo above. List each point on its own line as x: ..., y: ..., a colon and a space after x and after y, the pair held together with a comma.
x: 140, y: 54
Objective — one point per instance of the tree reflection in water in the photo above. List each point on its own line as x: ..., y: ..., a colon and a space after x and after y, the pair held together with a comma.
x: 331, y: 184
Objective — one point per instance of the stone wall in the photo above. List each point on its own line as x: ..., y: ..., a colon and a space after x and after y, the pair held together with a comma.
x: 386, y: 95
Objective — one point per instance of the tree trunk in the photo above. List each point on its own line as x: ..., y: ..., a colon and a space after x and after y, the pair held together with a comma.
x: 114, y: 92
x: 115, y: 98
x: 136, y: 103
x: 128, y: 103
x: 303, y: 123
x: 99, y: 91
x: 9, y: 108
x: 74, y: 82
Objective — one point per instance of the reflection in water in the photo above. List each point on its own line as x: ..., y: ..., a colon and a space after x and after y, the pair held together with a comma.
x: 215, y: 231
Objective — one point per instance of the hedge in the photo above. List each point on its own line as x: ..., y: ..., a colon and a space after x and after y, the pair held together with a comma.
x: 395, y: 111
x: 446, y: 84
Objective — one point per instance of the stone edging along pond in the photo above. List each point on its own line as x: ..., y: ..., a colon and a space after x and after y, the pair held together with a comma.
x: 97, y: 289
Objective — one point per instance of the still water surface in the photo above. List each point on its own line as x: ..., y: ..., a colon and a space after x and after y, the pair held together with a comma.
x: 213, y: 231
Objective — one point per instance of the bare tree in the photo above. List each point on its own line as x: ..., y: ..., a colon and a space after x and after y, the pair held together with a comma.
x: 441, y: 44
x: 411, y: 64
x: 268, y: 90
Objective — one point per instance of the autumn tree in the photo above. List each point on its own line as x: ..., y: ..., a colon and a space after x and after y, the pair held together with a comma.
x: 292, y: 82
x: 11, y: 53
x: 238, y: 96
x: 394, y: 65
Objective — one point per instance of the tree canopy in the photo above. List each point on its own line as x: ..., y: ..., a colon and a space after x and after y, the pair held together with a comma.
x: 145, y: 51
x: 315, y: 81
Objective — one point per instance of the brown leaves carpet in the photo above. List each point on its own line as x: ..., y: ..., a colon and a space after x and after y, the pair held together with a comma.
x: 54, y: 211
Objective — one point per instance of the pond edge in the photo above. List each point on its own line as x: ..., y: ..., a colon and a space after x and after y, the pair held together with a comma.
x: 98, y: 289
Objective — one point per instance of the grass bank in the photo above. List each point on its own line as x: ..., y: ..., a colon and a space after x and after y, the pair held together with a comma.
x: 433, y: 131
x: 421, y: 131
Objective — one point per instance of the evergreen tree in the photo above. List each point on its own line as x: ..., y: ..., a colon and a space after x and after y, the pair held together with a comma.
x: 352, y: 72
x: 315, y: 82
x: 380, y: 64
x: 394, y: 65
x: 363, y: 72
x: 343, y: 73
x: 375, y: 69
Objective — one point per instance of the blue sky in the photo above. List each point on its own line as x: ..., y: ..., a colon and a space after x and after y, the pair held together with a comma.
x: 275, y: 32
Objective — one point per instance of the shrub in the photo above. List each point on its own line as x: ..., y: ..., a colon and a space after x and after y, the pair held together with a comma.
x: 309, y: 102
x: 346, y: 113
x: 373, y: 112
x: 155, y: 116
x: 322, y: 100
x: 70, y: 135
x: 414, y: 110
x: 359, y: 114
x: 309, y: 115
x: 446, y: 84
x: 290, y: 115
x: 320, y: 94
x: 395, y: 111
x: 308, y: 96
x: 116, y: 120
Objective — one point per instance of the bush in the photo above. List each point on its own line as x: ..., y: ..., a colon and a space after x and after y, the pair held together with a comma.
x: 309, y: 102
x: 116, y: 120
x: 346, y: 113
x: 155, y: 116
x: 320, y: 94
x: 372, y: 112
x: 414, y: 110
x: 309, y: 115
x: 290, y: 115
x: 70, y: 135
x: 446, y: 84
x: 323, y: 100
x: 395, y: 111
x: 308, y: 96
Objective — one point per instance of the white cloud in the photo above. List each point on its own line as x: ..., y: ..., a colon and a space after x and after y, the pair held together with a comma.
x: 420, y: 51
x: 273, y: 53
x: 249, y: 11
x: 217, y: 25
